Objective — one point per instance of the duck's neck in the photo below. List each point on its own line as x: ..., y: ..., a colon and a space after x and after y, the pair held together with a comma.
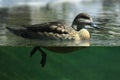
x: 77, y: 27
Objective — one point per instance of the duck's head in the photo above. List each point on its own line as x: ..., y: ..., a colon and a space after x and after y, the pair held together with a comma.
x: 82, y: 20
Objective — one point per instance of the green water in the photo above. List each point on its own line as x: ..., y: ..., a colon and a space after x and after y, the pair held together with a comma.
x: 93, y: 63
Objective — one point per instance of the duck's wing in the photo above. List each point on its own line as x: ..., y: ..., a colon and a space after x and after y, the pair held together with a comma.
x: 50, y: 30
x: 55, y: 27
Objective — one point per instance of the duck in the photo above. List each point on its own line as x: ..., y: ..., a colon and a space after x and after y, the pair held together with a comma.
x: 56, y: 31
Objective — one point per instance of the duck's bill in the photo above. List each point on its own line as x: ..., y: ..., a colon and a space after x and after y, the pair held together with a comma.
x: 95, y: 26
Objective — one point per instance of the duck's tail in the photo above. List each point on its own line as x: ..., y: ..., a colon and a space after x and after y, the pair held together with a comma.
x: 13, y: 30
x: 23, y: 32
x: 18, y: 32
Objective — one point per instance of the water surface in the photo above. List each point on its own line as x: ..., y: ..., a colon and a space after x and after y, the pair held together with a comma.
x: 104, y: 15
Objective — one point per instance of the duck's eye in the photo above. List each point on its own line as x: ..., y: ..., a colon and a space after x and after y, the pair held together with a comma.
x: 85, y: 17
x: 81, y: 20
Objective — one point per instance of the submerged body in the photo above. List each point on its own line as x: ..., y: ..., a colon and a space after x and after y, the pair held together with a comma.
x: 64, y: 50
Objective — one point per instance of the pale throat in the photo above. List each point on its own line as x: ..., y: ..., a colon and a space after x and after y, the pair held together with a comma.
x: 78, y: 27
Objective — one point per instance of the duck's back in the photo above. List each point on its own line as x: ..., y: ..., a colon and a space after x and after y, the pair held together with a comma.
x: 53, y: 30
x: 55, y: 27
